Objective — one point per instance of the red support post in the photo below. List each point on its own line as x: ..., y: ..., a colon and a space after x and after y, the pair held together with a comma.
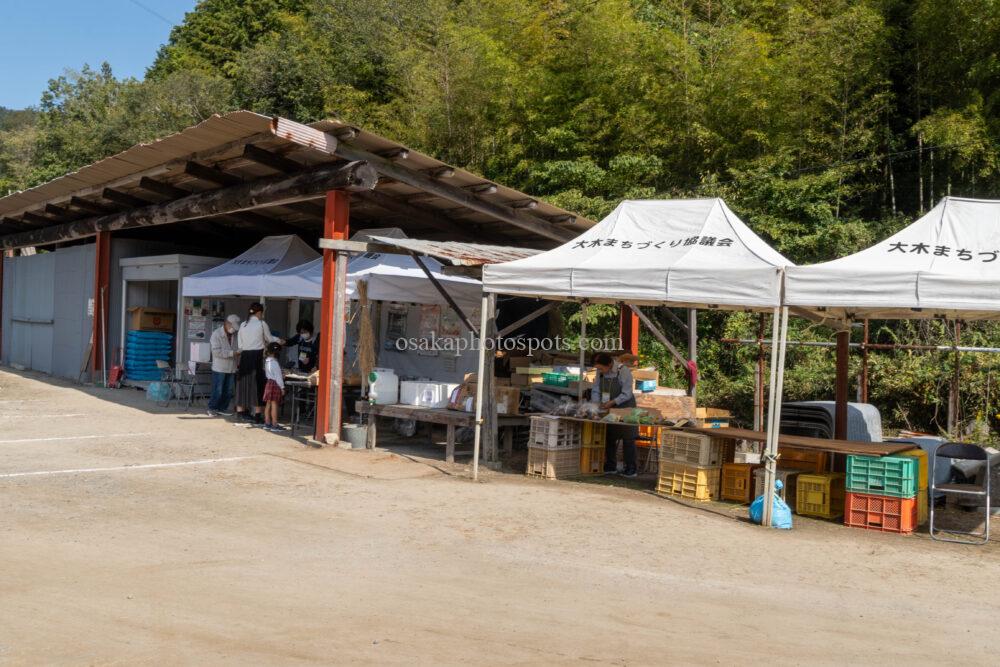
x: 628, y: 329
x: 102, y: 294
x: 336, y: 225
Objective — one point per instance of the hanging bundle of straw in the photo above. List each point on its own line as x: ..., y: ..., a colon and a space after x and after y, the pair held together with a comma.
x: 366, y: 335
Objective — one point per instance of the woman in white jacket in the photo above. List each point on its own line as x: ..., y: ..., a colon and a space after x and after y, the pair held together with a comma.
x: 253, y: 337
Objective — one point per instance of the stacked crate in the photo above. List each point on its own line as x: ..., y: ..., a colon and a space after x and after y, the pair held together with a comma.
x: 554, y: 448
x: 738, y: 481
x: 820, y: 494
x: 883, y: 492
x: 592, y: 439
x: 788, y: 478
x: 690, y: 465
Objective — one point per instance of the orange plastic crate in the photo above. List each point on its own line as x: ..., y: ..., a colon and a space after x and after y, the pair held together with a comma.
x: 737, y: 481
x: 883, y: 513
x: 649, y: 436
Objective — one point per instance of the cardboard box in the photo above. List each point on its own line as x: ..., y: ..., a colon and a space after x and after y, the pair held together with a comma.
x: 520, y: 380
x: 507, y: 399
x: 534, y: 370
x: 667, y: 407
x: 501, y: 382
x: 712, y: 413
x: 519, y: 362
x: 645, y: 374
x: 151, y: 319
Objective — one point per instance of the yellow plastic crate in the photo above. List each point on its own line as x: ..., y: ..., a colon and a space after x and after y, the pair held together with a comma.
x: 820, y: 494
x: 694, y: 482
x: 737, y: 481
x: 922, y: 475
x: 592, y: 460
x: 593, y: 434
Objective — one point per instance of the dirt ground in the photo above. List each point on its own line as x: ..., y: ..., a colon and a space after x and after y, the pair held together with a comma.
x: 254, y: 549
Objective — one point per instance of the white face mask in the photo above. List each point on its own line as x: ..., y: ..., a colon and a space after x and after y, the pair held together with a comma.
x: 306, y: 337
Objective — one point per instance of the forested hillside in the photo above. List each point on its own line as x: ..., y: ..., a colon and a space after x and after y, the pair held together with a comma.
x: 826, y: 124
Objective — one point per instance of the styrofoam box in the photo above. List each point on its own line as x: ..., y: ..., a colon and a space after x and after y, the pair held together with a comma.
x: 201, y: 352
x: 425, y: 394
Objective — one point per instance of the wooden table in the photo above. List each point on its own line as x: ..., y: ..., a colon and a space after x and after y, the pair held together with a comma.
x: 451, y: 419
x: 803, y: 442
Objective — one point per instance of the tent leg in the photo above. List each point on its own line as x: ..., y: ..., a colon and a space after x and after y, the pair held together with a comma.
x: 774, y: 409
x: 484, y: 314
x: 693, y: 350
x: 583, y: 350
x: 491, y: 449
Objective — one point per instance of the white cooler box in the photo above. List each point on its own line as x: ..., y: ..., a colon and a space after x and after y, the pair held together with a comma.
x: 425, y: 394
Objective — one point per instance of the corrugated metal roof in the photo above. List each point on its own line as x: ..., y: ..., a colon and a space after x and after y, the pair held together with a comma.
x: 219, y: 141
x: 209, y: 135
x: 458, y: 254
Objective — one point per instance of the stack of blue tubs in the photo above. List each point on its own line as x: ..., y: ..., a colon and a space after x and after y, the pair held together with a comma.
x: 143, y: 349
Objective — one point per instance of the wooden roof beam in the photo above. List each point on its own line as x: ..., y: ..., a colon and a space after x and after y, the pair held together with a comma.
x: 270, y: 159
x: 418, y: 214
x: 211, y: 174
x: 275, y: 191
x: 455, y: 194
x: 124, y: 198
x: 90, y: 206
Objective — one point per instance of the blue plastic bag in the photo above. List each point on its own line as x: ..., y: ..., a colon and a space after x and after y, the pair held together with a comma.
x: 158, y: 391
x: 781, y: 514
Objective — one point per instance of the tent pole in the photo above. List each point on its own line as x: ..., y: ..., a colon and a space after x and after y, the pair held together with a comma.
x: 583, y: 351
x: 774, y: 409
x: 693, y: 351
x: 484, y: 314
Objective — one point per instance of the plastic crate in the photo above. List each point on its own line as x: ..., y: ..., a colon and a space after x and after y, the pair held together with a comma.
x: 691, y: 448
x: 593, y: 434
x: 649, y: 436
x: 789, y: 479
x: 645, y: 386
x: 592, y: 460
x: 921, y: 457
x: 737, y: 482
x: 883, y: 475
x: 882, y: 513
x: 694, y: 482
x: 559, y: 379
x: 553, y: 433
x: 922, y: 508
x: 553, y: 463
x: 802, y: 459
x: 820, y: 494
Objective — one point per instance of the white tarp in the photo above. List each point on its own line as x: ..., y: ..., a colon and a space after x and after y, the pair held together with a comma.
x: 389, y: 277
x: 947, y: 263
x: 247, y: 274
x: 687, y: 252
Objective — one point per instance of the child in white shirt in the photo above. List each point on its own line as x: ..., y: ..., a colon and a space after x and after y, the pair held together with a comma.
x: 274, y: 390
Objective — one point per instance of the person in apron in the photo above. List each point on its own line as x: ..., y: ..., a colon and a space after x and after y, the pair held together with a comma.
x: 615, y: 388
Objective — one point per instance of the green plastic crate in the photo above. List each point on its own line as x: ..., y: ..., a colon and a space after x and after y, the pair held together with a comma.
x: 895, y: 476
x: 559, y: 379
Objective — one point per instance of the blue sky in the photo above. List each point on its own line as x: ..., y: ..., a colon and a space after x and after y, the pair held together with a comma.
x: 40, y: 39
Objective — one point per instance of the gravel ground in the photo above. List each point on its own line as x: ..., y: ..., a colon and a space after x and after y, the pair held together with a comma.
x: 132, y: 534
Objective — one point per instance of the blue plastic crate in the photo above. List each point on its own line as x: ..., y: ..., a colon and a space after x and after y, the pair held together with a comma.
x: 645, y: 386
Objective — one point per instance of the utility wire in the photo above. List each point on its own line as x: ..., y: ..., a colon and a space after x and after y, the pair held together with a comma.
x: 153, y: 12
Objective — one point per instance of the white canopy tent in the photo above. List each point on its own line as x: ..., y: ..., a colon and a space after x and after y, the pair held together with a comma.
x: 390, y: 278
x: 946, y: 264
x: 248, y: 274
x: 687, y: 253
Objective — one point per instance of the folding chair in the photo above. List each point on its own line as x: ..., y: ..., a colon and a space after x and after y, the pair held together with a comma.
x: 962, y: 452
x: 181, y: 390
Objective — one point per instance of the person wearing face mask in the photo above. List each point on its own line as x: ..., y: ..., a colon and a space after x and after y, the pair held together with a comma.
x: 308, y: 345
x: 223, y: 344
